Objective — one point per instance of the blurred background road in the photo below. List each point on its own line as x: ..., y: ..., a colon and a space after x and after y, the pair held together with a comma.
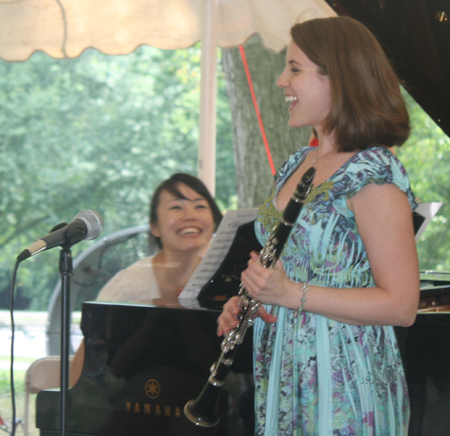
x: 30, y: 341
x: 30, y: 337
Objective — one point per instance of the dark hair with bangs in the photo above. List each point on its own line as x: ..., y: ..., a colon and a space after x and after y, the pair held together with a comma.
x: 171, y: 185
x: 367, y: 106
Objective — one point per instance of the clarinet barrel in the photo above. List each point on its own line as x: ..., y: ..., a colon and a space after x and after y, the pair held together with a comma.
x: 203, y: 410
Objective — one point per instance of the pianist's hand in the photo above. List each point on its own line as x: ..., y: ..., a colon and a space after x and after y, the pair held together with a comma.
x: 227, y: 320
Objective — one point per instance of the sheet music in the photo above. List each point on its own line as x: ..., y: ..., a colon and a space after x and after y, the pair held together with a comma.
x: 428, y: 211
x: 217, y: 251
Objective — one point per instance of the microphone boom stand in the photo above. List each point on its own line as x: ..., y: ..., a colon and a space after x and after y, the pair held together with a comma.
x: 65, y: 270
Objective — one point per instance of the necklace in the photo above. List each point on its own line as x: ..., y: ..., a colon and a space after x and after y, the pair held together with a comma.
x: 318, y: 156
x: 316, y: 159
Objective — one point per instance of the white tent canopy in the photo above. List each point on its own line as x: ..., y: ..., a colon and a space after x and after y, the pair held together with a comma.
x: 64, y: 28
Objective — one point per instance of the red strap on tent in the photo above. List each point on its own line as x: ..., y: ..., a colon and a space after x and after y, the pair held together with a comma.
x: 255, y: 104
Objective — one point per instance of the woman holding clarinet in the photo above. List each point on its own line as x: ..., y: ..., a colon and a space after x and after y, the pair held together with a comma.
x: 326, y: 356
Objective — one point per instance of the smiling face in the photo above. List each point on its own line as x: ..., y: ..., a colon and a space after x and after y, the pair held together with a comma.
x: 184, y: 224
x: 307, y: 91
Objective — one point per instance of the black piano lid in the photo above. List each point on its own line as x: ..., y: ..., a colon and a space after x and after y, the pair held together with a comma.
x: 416, y: 37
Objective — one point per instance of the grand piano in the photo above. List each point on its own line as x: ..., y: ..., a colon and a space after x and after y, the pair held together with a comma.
x: 145, y: 361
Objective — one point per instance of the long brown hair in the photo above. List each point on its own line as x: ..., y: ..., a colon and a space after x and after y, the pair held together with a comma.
x: 367, y: 107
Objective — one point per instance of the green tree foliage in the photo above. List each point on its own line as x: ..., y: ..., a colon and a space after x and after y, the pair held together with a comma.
x: 96, y: 132
x: 426, y: 157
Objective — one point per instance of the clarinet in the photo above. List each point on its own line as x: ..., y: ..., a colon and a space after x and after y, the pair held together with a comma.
x: 203, y: 410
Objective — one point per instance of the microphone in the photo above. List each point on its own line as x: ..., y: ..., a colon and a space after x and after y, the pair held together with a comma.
x: 87, y: 224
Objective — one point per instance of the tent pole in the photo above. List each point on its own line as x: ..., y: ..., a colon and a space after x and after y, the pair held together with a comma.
x: 208, y: 91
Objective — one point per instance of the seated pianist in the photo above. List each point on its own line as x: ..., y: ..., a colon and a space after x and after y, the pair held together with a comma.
x: 183, y: 218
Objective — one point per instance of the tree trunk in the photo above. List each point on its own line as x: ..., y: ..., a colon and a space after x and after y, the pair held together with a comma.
x: 253, y: 172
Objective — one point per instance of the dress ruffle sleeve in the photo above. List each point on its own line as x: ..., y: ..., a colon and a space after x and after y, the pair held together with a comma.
x: 377, y: 165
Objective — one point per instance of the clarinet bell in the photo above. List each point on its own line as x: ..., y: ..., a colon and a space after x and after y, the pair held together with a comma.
x: 203, y: 410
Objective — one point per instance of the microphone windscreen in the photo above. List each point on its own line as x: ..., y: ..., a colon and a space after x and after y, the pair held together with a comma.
x: 94, y: 223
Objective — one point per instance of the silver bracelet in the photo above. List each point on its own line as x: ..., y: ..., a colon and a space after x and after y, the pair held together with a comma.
x: 304, y: 289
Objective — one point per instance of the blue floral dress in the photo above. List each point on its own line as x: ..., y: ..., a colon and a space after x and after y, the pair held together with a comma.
x: 314, y: 375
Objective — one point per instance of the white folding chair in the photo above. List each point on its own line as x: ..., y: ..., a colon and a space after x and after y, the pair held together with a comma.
x: 42, y: 374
